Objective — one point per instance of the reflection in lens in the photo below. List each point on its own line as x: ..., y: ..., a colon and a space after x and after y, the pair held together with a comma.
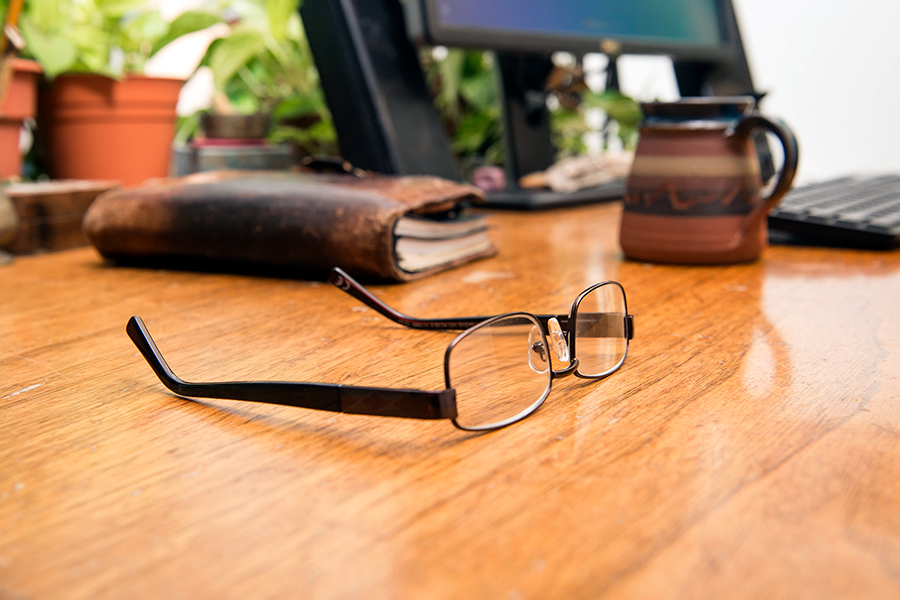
x: 500, y: 370
x: 600, y: 336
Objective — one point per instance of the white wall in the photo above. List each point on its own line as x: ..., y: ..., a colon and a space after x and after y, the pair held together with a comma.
x: 832, y: 70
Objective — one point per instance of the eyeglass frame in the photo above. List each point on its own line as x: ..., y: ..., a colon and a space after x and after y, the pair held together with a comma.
x: 342, y: 280
x: 375, y: 401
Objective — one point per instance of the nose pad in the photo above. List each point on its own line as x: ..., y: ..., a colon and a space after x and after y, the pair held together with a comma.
x: 538, y: 359
x: 558, y: 340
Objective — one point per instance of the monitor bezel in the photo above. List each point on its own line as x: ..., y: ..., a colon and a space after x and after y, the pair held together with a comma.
x: 425, y: 28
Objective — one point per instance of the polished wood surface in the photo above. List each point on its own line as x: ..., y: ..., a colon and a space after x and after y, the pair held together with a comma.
x: 749, y: 448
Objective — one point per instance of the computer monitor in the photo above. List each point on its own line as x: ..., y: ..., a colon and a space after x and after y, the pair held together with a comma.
x: 386, y: 121
x: 578, y: 26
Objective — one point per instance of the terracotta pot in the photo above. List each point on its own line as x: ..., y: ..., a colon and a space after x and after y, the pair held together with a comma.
x: 19, y: 104
x: 101, y: 128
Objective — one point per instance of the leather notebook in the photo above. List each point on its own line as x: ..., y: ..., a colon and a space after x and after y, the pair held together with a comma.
x: 300, y: 222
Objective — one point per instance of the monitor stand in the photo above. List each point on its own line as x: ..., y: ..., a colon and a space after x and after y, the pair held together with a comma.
x: 384, y: 117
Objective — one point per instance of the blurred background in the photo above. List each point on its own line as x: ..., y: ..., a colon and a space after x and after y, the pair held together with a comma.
x: 830, y: 69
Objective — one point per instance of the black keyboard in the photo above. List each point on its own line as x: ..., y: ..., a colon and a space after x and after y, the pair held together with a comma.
x: 851, y: 211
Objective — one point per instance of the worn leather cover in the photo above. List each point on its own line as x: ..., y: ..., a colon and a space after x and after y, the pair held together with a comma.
x: 307, y: 222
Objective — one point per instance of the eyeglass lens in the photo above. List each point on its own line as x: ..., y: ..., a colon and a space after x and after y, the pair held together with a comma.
x: 500, y: 370
x: 600, y: 336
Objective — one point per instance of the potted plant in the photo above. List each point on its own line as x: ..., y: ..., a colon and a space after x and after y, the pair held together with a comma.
x: 265, y: 67
x: 100, y: 118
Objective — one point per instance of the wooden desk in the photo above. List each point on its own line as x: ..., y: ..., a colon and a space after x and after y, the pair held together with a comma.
x: 749, y: 448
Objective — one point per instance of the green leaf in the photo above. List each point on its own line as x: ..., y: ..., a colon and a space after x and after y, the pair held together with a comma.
x: 451, y: 72
x: 295, y: 107
x: 186, y: 23
x: 55, y: 55
x: 116, y: 8
x: 279, y: 12
x: 92, y: 44
x: 475, y: 132
x: 187, y: 127
x: 619, y: 107
x: 318, y: 139
x: 234, y: 52
x: 48, y: 15
x: 134, y: 34
x: 480, y: 90
x: 94, y: 60
x: 294, y: 28
x: 242, y: 98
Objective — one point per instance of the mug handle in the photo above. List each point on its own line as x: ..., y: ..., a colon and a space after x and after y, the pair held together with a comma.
x: 788, y: 142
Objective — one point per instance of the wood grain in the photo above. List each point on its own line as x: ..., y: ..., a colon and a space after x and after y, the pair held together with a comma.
x: 747, y: 449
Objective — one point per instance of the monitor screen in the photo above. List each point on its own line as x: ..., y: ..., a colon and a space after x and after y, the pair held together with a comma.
x: 678, y: 27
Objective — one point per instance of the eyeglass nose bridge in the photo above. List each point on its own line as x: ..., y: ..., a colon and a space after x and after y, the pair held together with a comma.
x: 556, y: 339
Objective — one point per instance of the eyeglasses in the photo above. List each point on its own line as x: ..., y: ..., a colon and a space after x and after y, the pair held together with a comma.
x: 497, y: 371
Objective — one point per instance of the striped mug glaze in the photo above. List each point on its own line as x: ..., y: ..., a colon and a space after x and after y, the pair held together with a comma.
x: 694, y: 194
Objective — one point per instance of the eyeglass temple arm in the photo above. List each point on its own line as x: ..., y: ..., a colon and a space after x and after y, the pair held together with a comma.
x: 340, y: 279
x: 385, y: 402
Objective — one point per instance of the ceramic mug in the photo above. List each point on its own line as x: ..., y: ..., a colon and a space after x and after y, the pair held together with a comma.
x: 694, y: 194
